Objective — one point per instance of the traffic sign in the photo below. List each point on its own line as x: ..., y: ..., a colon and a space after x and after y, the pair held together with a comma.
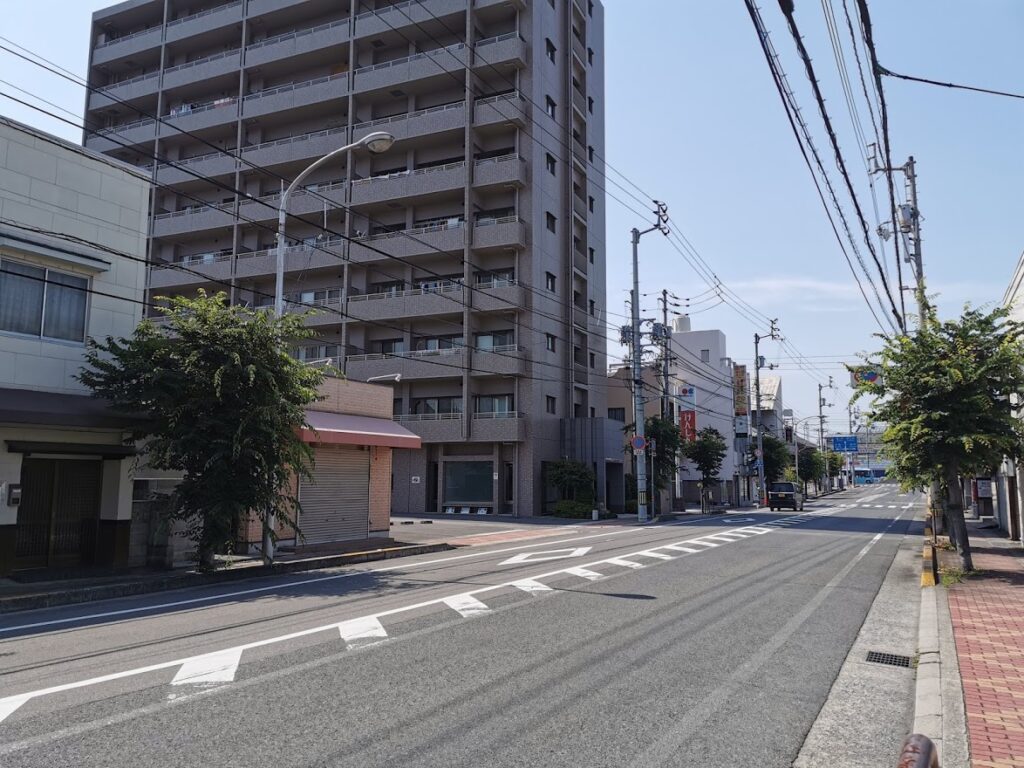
x: 844, y: 443
x: 638, y: 443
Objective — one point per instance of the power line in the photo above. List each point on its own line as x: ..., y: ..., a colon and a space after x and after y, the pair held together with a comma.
x: 889, y: 73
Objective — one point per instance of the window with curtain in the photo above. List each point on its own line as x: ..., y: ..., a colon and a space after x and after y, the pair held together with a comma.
x: 42, y: 302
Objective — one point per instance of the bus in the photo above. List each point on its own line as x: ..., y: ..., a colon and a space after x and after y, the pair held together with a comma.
x: 868, y: 475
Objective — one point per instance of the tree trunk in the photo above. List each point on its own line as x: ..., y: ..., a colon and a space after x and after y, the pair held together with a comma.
x: 955, y: 518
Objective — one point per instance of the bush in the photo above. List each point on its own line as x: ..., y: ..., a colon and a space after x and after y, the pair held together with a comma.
x: 568, y: 508
x: 631, y: 507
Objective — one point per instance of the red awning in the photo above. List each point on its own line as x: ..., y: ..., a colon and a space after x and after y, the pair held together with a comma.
x: 345, y: 429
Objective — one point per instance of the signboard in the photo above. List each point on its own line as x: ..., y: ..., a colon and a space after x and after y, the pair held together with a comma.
x: 844, y: 444
x: 984, y: 488
x: 739, y: 383
x: 688, y: 425
x: 687, y: 398
x: 742, y: 424
x: 638, y: 443
x: 864, y: 375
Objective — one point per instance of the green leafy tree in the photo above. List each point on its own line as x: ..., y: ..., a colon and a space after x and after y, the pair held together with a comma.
x: 835, y: 463
x: 667, y: 444
x: 776, y: 457
x: 220, y: 400
x: 812, y: 465
x: 573, y: 479
x: 945, y: 394
x: 707, y: 453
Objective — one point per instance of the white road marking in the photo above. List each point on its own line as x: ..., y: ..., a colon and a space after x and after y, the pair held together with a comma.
x: 551, y: 554
x: 728, y: 538
x: 212, y: 669
x: 584, y: 573
x: 656, y: 555
x: 467, y: 605
x: 530, y: 585
x: 623, y: 562
x: 704, y: 542
x: 359, y: 633
x: 879, y: 506
x: 740, y: 520
x: 681, y: 548
x: 10, y: 704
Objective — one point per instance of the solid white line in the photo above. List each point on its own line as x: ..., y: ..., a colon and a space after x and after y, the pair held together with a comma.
x: 656, y: 555
x: 359, y: 633
x: 584, y: 573
x: 681, y: 548
x: 623, y: 562
x: 530, y: 585
x: 467, y: 606
x: 704, y: 542
x: 727, y: 537
x: 219, y: 667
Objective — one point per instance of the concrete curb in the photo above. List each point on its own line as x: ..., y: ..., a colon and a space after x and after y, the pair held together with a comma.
x: 193, y: 579
x: 928, y: 688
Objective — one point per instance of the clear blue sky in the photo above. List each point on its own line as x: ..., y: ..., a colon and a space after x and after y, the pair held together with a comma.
x: 693, y: 119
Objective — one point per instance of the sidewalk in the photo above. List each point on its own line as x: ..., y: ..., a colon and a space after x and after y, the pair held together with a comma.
x: 987, y: 611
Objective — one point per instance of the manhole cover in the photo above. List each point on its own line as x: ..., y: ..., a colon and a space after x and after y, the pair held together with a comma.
x: 891, y: 659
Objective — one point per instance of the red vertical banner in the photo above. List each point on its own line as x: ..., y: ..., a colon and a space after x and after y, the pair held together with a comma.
x: 688, y: 425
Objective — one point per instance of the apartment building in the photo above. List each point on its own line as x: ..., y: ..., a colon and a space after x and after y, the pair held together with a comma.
x: 469, y: 258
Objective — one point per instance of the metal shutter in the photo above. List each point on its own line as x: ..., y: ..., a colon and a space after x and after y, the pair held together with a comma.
x: 336, y: 504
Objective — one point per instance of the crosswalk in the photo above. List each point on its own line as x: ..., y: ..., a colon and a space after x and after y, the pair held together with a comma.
x: 221, y: 667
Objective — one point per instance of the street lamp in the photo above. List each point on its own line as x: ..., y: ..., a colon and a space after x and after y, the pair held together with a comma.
x: 376, y: 142
x: 395, y: 377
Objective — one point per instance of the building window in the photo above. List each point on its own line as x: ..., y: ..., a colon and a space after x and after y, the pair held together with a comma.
x: 593, y: 412
x: 496, y: 340
x: 388, y: 346
x: 593, y: 360
x: 590, y: 203
x: 549, y: 281
x: 440, y: 407
x: 591, y: 255
x: 590, y: 104
x: 550, y: 107
x: 493, y: 404
x: 590, y: 153
x: 705, y: 355
x: 549, y: 47
x: 42, y: 302
x: 551, y: 164
x: 549, y: 341
x: 551, y: 404
x: 590, y: 7
x: 551, y: 222
x: 468, y: 482
x: 590, y: 55
x: 593, y: 308
x: 617, y: 414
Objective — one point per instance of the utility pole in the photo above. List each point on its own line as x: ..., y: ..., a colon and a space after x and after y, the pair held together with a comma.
x: 821, y: 425
x: 666, y: 358
x: 758, y: 363
x: 661, y: 225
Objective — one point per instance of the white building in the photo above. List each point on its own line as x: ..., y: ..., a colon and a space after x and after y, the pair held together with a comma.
x: 65, y: 485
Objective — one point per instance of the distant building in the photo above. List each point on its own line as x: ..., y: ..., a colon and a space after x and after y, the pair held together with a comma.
x: 65, y: 475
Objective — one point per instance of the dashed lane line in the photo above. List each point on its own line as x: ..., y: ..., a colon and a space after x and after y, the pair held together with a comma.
x: 219, y: 667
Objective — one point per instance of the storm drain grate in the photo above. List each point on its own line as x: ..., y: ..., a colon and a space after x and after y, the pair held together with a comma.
x: 891, y: 659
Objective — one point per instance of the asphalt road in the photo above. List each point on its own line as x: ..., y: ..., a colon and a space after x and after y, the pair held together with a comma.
x: 710, y: 642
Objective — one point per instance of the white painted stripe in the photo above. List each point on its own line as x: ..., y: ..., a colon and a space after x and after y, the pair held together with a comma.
x: 624, y: 563
x: 759, y: 530
x: 467, y: 606
x: 10, y: 704
x: 728, y: 538
x: 681, y: 548
x: 879, y: 506
x: 892, y: 506
x: 656, y: 555
x: 214, y: 668
x: 584, y: 573
x: 360, y: 633
x: 530, y: 585
x: 704, y: 541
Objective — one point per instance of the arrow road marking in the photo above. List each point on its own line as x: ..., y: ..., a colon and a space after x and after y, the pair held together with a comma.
x: 551, y: 554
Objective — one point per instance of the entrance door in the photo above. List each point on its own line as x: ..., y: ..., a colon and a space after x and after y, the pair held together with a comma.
x: 59, y: 512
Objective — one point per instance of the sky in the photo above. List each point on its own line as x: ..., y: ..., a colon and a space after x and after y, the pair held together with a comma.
x: 693, y: 119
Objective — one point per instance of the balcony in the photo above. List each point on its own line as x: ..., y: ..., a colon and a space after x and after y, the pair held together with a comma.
x: 580, y: 374
x: 187, y: 169
x: 580, y: 318
x: 407, y: 69
x: 446, y: 236
x: 295, y: 42
x: 291, y: 148
x: 506, y: 232
x: 422, y: 122
x: 297, y: 258
x: 434, y: 427
x: 204, y: 21
x: 505, y: 360
x: 137, y: 132
x: 507, y: 170
x: 499, y: 296
x: 579, y: 101
x: 302, y: 201
x: 439, y: 364
x: 127, y: 45
x: 415, y: 183
x: 326, y: 310
x: 579, y: 260
x: 509, y: 48
x: 504, y: 427
x: 405, y: 14
x: 446, y: 299
x: 294, y: 95
x: 579, y: 206
x: 222, y: 63
x: 210, y: 267
x: 125, y: 90
x: 500, y: 110
x: 261, y: 7
x: 193, y: 219
x: 197, y: 117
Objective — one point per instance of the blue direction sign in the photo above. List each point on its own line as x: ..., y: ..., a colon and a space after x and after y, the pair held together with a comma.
x: 844, y: 444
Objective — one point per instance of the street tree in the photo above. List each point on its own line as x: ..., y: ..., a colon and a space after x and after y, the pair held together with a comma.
x: 664, y: 433
x: 835, y: 463
x: 776, y: 457
x: 707, y: 453
x: 219, y: 399
x: 945, y: 394
x: 812, y: 465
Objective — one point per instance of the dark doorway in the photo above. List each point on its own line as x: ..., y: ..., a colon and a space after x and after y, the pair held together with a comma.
x: 59, y: 512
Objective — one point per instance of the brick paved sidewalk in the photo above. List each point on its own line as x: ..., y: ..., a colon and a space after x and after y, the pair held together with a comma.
x: 987, y: 611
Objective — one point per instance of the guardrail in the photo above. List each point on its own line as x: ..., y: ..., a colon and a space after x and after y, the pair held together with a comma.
x: 918, y: 752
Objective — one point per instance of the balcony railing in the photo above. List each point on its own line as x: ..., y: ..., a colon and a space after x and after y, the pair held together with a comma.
x: 414, y: 172
x: 197, y: 158
x: 293, y: 86
x: 291, y: 139
x: 409, y: 115
x: 295, y: 34
x: 138, y: 79
x: 497, y: 415
x: 387, y: 9
x: 204, y: 60
x: 126, y: 126
x: 445, y: 287
x: 226, y: 101
x: 427, y: 417
x: 192, y: 209
x: 412, y: 354
x: 122, y: 38
x: 199, y: 15
x: 414, y: 57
